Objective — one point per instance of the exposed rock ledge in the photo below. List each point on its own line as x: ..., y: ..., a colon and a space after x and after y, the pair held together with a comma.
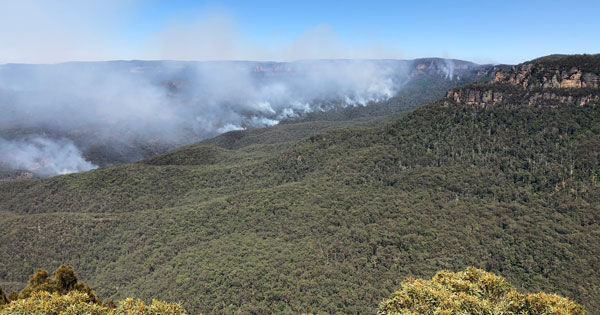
x: 531, y: 76
x: 491, y: 96
x: 547, y: 81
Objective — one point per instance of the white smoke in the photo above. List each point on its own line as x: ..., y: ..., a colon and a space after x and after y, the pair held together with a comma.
x: 448, y: 68
x: 118, y: 103
x: 226, y: 94
x: 43, y: 156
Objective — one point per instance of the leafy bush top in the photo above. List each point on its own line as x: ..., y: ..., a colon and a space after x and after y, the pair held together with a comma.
x: 64, y: 280
x: 74, y: 302
x: 63, y: 294
x: 473, y: 291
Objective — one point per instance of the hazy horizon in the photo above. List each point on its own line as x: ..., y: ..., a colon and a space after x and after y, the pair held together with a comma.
x: 48, y: 32
x: 247, y: 60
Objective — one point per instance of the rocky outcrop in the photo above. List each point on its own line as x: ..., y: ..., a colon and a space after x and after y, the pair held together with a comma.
x: 531, y: 76
x: 542, y: 82
x: 492, y: 96
x: 480, y: 98
x: 544, y: 98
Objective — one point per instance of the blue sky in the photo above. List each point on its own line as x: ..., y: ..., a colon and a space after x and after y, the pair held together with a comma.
x: 481, y: 31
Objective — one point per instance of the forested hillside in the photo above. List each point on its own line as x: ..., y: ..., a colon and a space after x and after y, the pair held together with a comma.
x: 428, y: 83
x: 333, y: 222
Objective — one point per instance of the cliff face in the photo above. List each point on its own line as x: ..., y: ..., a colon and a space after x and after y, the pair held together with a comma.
x: 474, y: 96
x: 483, y: 97
x: 532, y: 75
x: 549, y: 81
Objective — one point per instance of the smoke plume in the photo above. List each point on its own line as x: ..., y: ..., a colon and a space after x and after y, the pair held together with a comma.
x: 43, y: 156
x: 135, y: 107
x: 448, y: 68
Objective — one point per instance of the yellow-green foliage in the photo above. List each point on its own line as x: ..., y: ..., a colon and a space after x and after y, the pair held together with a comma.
x: 74, y: 302
x: 129, y: 306
x: 3, y: 299
x: 473, y: 291
x: 63, y: 294
x: 46, y: 303
x: 64, y: 280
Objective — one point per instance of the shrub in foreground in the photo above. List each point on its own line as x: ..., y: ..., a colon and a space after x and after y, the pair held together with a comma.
x: 72, y: 303
x: 63, y: 294
x: 64, y: 280
x: 473, y: 291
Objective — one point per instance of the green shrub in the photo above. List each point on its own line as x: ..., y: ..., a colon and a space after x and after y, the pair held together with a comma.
x: 64, y: 280
x: 128, y: 306
x: 46, y: 303
x: 473, y: 291
x: 74, y: 303
x: 63, y: 294
x: 3, y: 299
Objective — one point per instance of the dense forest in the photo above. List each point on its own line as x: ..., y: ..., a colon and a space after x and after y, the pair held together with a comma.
x: 333, y: 222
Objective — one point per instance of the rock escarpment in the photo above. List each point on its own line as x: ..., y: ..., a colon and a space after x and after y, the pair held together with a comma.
x: 548, y: 81
x: 534, y: 75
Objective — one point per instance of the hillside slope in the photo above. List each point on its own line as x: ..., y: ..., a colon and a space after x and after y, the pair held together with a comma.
x: 428, y: 83
x: 178, y: 103
x: 333, y: 222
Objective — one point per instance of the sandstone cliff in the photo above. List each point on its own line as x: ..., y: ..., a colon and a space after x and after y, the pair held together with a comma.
x: 532, y: 75
x: 548, y: 81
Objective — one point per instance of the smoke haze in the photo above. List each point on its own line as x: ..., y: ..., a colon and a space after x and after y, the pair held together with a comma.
x: 79, y: 106
x: 123, y: 111
x: 43, y: 156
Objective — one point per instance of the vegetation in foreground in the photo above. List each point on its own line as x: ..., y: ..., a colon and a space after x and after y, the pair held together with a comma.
x: 63, y: 294
x: 473, y: 291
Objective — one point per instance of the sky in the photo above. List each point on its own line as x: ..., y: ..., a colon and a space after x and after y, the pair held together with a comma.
x: 51, y: 31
